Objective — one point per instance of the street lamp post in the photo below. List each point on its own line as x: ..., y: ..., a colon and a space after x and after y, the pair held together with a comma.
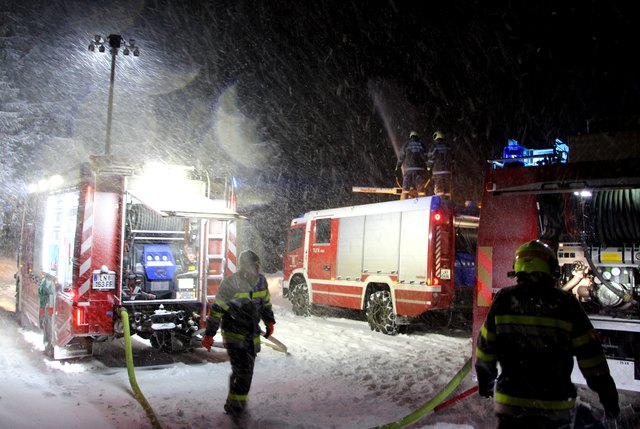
x: 115, y: 42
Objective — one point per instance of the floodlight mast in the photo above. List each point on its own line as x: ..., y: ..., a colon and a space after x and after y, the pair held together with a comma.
x: 115, y: 41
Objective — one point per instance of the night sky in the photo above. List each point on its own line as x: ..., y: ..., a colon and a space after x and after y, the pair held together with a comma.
x: 303, y: 100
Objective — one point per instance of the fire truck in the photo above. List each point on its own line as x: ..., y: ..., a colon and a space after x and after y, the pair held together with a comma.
x: 394, y: 260
x: 589, y: 211
x: 108, y: 236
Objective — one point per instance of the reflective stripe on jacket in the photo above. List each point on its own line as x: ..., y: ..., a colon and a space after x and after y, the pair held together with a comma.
x: 238, y: 308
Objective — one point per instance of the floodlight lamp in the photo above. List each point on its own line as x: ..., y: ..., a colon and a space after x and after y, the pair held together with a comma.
x: 43, y: 185
x: 92, y: 47
x: 101, y: 48
x: 115, y: 41
x: 136, y: 52
x: 125, y: 51
x: 585, y: 193
x: 98, y: 38
x: 55, y: 181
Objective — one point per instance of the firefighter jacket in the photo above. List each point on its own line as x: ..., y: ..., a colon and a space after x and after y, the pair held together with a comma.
x: 242, y: 301
x: 412, y: 156
x: 533, y: 331
x: 439, y: 158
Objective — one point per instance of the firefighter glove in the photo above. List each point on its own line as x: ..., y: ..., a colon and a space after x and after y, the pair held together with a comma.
x: 207, y: 342
x: 270, y: 328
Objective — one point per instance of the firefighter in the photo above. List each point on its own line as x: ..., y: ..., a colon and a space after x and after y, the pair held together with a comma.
x: 413, y: 160
x: 243, y: 300
x: 534, y: 329
x: 439, y: 162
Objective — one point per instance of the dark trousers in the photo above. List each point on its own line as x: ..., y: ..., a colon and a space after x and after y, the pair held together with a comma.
x: 242, y: 363
x: 415, y: 179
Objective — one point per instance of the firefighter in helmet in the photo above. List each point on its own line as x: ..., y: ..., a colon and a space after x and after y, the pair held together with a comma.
x: 534, y: 329
x: 440, y: 163
x: 243, y: 300
x: 413, y: 160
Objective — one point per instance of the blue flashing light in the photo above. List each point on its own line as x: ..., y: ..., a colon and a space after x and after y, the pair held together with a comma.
x: 435, y: 203
x: 516, y: 155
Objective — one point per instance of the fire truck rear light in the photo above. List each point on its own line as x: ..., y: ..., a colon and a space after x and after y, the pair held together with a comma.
x: 80, y: 317
x: 436, y: 281
x: 437, y: 217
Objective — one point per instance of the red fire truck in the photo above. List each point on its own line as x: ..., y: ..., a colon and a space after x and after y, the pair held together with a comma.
x: 395, y: 260
x: 108, y: 236
x: 590, y: 212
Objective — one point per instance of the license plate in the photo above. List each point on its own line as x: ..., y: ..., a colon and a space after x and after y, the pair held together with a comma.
x: 104, y: 281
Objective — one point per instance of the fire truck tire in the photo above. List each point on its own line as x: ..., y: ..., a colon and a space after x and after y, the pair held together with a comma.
x: 299, y: 296
x: 380, y: 314
x: 47, y: 337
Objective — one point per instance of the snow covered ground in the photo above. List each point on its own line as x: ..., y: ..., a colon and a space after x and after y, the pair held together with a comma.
x: 338, y: 374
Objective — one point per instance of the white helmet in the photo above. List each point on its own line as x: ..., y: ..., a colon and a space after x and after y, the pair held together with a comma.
x: 438, y: 135
x: 413, y: 134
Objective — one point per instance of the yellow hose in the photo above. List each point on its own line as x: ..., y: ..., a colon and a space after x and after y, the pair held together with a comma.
x: 132, y: 375
x: 433, y: 402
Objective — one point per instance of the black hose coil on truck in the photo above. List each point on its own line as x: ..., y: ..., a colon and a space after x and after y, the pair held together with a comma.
x: 616, y: 216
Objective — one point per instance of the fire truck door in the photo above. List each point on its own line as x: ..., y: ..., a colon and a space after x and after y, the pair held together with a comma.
x: 322, y: 249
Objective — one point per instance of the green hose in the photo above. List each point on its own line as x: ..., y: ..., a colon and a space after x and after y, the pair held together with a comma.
x: 433, y: 402
x: 132, y: 375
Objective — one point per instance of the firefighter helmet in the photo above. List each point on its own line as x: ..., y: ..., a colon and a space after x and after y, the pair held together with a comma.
x: 248, y: 259
x: 535, y: 256
x: 438, y: 135
x: 414, y: 134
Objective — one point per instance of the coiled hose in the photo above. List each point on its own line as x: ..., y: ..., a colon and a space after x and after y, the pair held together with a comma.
x: 616, y: 216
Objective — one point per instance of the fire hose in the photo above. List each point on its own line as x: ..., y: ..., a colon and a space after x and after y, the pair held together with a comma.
x: 436, y: 403
x: 132, y: 375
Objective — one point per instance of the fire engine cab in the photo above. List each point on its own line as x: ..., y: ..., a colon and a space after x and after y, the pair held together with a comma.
x: 589, y: 211
x: 395, y: 260
x: 108, y: 236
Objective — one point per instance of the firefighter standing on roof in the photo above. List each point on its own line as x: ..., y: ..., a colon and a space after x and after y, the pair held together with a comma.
x: 413, y: 160
x: 439, y: 162
x: 242, y: 301
x: 534, y: 330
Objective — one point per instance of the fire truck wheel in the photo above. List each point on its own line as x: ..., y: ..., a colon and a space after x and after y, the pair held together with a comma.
x: 299, y: 296
x: 380, y: 314
x: 47, y: 337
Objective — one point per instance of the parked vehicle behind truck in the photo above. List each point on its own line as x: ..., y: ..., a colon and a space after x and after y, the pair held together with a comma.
x: 106, y: 237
